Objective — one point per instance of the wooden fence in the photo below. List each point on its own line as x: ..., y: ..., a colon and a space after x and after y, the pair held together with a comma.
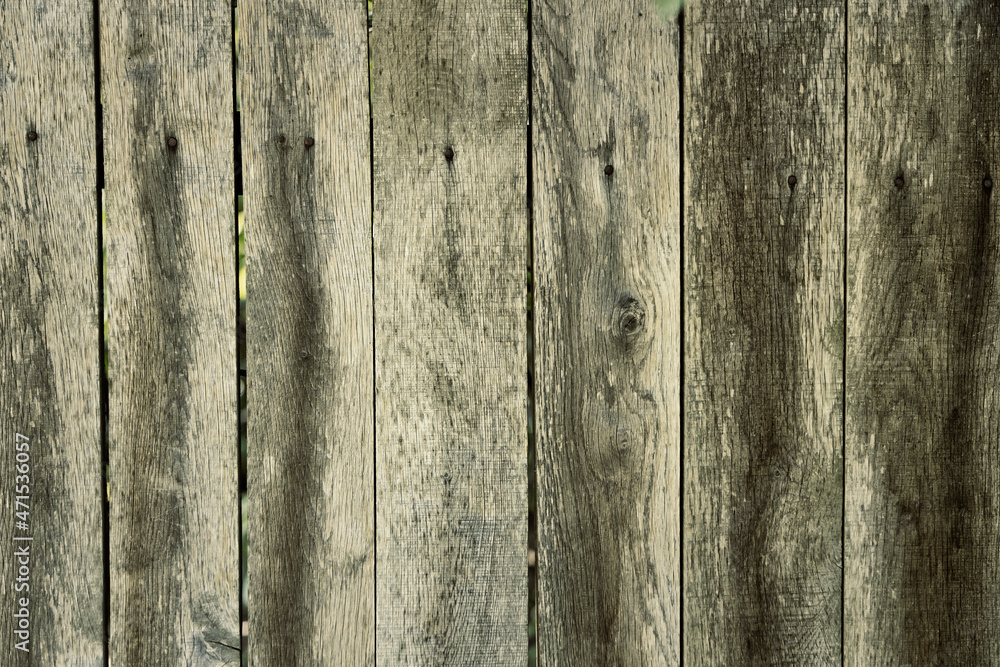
x: 726, y: 284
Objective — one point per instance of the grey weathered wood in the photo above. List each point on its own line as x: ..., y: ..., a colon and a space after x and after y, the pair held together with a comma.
x: 607, y: 332
x: 50, y: 331
x: 764, y: 100
x: 171, y: 288
x: 922, y: 583
x: 310, y: 435
x: 450, y: 327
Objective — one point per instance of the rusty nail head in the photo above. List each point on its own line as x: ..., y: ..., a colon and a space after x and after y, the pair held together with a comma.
x: 987, y: 182
x: 792, y: 181
x: 172, y: 142
x: 32, y: 135
x: 448, y: 153
x: 899, y: 181
x: 609, y: 170
x: 309, y: 142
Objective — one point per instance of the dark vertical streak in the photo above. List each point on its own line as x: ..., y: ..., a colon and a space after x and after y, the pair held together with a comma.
x: 102, y: 342
x: 530, y: 348
x: 151, y: 547
x: 843, y: 364
x: 371, y: 227
x: 294, y: 188
x: 240, y: 341
x: 768, y: 424
x: 682, y: 356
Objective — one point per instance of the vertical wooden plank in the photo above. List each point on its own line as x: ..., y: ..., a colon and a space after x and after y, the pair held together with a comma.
x: 922, y: 585
x: 450, y: 112
x: 171, y: 286
x: 310, y: 435
x: 605, y: 132
x: 49, y: 338
x: 764, y: 240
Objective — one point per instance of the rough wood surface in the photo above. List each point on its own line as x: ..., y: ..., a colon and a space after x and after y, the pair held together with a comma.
x: 450, y: 326
x: 171, y: 287
x: 607, y: 332
x: 310, y: 438
x: 50, y: 334
x: 764, y: 101
x: 922, y: 544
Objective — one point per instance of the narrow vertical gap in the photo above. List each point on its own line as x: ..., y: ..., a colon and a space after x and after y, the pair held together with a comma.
x: 369, y: 10
x: 102, y: 349
x: 241, y: 383
x: 680, y: 171
x: 531, y: 425
x: 843, y: 369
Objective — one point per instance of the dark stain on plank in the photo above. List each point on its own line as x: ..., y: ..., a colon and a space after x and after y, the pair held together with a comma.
x: 449, y: 285
x: 29, y: 398
x: 157, y: 440
x: 762, y: 255
x: 768, y: 320
x: 950, y: 516
x: 300, y: 469
x: 925, y: 393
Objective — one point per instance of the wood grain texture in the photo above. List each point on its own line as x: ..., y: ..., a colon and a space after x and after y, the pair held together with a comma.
x: 450, y: 241
x: 764, y: 100
x: 607, y: 332
x: 310, y: 434
x: 171, y: 288
x: 50, y: 332
x: 922, y: 584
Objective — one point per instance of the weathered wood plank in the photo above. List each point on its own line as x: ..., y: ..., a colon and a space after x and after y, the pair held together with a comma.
x: 50, y: 336
x: 450, y: 168
x: 764, y: 240
x: 922, y: 585
x: 171, y: 286
x: 310, y: 435
x: 607, y: 331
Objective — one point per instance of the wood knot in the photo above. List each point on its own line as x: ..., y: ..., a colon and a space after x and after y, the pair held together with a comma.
x: 620, y: 449
x: 623, y: 440
x: 629, y: 318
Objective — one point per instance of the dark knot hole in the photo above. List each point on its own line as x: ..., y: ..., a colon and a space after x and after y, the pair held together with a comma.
x: 630, y: 317
x: 631, y: 323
